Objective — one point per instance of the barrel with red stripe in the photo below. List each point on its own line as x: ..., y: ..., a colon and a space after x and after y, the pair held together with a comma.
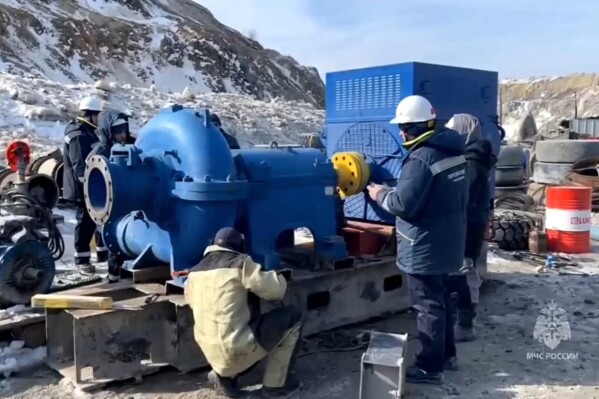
x: 568, y: 219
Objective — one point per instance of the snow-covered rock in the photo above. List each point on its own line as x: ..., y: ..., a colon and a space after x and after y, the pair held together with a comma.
x: 549, y: 100
x: 250, y: 120
x: 170, y: 44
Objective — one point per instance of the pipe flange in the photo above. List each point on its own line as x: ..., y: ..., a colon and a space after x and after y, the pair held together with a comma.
x: 353, y: 173
x: 97, y: 189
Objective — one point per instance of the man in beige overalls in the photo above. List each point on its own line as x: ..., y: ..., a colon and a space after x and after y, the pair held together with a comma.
x: 224, y: 292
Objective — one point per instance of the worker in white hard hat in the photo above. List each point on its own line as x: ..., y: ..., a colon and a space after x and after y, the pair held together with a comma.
x: 79, y: 137
x: 429, y: 201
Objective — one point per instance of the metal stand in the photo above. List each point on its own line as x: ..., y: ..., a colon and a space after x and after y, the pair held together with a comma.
x: 92, y: 348
x: 383, y: 368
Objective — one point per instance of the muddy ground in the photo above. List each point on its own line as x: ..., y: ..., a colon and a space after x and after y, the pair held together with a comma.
x: 495, y: 366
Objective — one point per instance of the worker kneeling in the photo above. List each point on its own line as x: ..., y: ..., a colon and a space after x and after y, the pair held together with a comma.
x: 224, y: 292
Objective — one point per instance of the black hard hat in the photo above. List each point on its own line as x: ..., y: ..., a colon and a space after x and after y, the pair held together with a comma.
x: 230, y: 238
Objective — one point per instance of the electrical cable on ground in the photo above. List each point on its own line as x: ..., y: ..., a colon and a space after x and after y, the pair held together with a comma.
x: 363, y: 339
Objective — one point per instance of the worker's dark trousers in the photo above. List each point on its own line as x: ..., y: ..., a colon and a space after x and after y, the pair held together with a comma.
x: 279, y: 333
x: 465, y: 308
x: 85, y: 230
x: 114, y: 266
x: 431, y: 300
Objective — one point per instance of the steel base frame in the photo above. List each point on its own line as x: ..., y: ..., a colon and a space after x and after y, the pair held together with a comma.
x: 92, y: 348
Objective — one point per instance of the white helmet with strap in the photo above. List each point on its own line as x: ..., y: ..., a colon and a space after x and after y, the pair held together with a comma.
x: 90, y: 104
x: 413, y: 109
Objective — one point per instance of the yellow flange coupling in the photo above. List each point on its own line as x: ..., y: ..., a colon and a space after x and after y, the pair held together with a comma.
x: 353, y: 173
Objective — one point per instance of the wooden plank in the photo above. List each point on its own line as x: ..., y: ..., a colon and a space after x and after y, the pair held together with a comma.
x: 65, y: 301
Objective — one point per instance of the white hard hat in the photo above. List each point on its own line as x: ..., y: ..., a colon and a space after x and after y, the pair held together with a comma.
x: 413, y: 109
x: 90, y: 104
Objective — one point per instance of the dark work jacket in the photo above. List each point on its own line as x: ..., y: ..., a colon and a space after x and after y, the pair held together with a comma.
x: 79, y: 138
x: 430, y: 202
x: 480, y: 159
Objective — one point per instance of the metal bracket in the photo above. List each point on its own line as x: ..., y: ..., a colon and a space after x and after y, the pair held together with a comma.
x: 382, y: 372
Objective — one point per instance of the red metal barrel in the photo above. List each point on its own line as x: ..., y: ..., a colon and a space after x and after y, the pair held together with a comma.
x: 568, y: 219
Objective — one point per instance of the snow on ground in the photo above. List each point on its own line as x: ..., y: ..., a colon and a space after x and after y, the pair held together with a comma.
x: 162, y: 23
x: 506, y: 362
x: 37, y: 110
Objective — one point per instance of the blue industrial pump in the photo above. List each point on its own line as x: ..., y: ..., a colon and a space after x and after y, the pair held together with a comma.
x: 163, y: 199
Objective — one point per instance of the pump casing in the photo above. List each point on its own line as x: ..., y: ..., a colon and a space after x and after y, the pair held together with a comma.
x: 163, y: 199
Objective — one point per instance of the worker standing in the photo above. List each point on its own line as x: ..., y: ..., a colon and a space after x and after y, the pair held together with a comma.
x: 224, y: 292
x: 113, y: 127
x: 79, y: 137
x: 466, y: 282
x: 430, y: 202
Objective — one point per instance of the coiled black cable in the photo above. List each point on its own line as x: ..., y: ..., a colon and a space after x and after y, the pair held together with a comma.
x: 42, y: 214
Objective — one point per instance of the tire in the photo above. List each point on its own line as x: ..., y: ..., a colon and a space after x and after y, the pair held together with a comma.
x: 510, y: 156
x: 566, y: 151
x: 510, y: 231
x: 551, y: 173
x: 538, y: 192
x: 509, y: 176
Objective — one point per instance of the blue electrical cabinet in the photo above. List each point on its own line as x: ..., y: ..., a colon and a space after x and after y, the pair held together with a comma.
x: 361, y: 102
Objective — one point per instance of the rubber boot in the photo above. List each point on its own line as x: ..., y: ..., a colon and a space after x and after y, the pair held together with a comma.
x: 87, y: 268
x: 114, y: 267
x: 223, y: 386
x: 102, y: 256
x: 415, y: 375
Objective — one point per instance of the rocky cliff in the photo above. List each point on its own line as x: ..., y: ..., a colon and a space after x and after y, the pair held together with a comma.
x: 550, y: 100
x: 169, y: 44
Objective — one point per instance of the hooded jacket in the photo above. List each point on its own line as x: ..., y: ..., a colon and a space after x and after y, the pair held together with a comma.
x: 105, y: 143
x: 79, y: 139
x: 430, y: 202
x: 480, y: 159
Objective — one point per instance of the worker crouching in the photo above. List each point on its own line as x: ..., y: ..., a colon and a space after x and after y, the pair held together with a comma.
x: 224, y: 292
x: 430, y: 202
x: 466, y: 282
